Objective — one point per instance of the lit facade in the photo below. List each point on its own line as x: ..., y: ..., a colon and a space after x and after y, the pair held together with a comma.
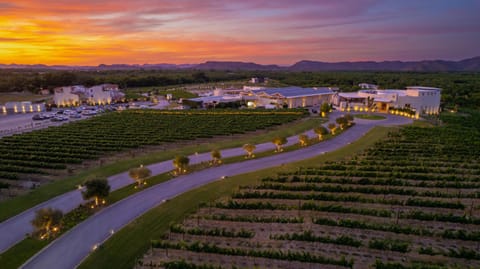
x: 418, y: 99
x: 64, y: 96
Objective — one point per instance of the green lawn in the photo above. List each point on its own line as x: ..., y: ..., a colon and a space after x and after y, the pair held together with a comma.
x: 369, y: 117
x: 16, y: 205
x: 130, y: 243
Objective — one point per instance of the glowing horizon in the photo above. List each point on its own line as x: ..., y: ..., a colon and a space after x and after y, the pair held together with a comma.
x: 268, y: 32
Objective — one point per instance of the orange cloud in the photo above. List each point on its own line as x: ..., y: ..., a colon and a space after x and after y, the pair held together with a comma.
x: 91, y: 32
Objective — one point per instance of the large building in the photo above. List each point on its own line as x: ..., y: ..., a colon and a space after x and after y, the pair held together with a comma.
x: 291, y: 97
x: 96, y: 95
x: 103, y: 94
x: 21, y: 107
x: 418, y: 99
x: 65, y: 96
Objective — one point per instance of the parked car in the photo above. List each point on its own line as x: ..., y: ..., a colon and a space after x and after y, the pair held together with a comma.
x: 75, y: 116
x: 38, y: 117
x: 89, y: 112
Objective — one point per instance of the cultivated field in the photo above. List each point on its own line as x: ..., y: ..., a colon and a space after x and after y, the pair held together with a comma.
x: 40, y: 154
x: 411, y: 201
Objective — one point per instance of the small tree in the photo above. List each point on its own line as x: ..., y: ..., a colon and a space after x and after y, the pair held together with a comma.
x: 342, y: 121
x: 140, y: 174
x: 325, y: 109
x: 249, y: 148
x: 349, y: 118
x: 279, y: 142
x: 181, y: 163
x: 332, y: 127
x: 216, y: 156
x: 303, y: 139
x: 320, y: 131
x: 47, y: 221
x: 97, y: 189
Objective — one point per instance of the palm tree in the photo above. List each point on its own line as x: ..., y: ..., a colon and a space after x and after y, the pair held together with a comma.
x: 342, y: 121
x: 303, y: 139
x: 47, y: 221
x: 216, y: 156
x: 140, y: 174
x: 279, y: 142
x: 324, y: 109
x: 320, y: 131
x: 349, y: 118
x: 181, y: 163
x: 332, y: 127
x: 249, y: 148
x: 97, y: 189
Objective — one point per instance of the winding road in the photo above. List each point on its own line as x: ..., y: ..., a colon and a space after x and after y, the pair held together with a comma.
x: 72, y: 247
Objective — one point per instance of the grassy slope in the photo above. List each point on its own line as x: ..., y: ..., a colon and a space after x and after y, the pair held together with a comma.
x: 16, y: 205
x: 129, y: 244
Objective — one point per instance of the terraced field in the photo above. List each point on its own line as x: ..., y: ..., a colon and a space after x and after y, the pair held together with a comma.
x: 41, y: 153
x: 411, y: 201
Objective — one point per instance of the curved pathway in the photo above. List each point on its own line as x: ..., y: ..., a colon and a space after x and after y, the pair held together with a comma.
x: 72, y: 247
x: 14, y: 229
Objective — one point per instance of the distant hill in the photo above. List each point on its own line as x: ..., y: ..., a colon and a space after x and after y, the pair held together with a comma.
x: 212, y: 65
x: 471, y: 64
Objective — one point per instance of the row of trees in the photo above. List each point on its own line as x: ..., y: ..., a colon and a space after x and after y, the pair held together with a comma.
x: 48, y: 221
x: 34, y: 80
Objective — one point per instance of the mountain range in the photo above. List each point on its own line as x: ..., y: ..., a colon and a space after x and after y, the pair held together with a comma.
x: 471, y: 64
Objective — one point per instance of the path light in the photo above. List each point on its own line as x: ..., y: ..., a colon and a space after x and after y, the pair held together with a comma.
x: 94, y: 247
x: 112, y: 231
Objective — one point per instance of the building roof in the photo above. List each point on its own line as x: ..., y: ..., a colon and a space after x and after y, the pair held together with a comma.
x: 396, y: 91
x: 422, y: 88
x: 350, y: 95
x: 382, y: 100
x: 218, y: 99
x: 292, y: 92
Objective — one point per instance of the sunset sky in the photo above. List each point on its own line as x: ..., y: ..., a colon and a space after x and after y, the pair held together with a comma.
x: 91, y: 32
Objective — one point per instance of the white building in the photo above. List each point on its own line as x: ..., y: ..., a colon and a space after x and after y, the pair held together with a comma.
x: 291, y: 97
x: 96, y: 95
x: 425, y: 100
x: 368, y: 86
x: 103, y: 94
x: 421, y: 100
x: 64, y: 96
x: 21, y: 107
x: 256, y: 80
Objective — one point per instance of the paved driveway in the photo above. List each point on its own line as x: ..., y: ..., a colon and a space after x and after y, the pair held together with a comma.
x: 72, y: 247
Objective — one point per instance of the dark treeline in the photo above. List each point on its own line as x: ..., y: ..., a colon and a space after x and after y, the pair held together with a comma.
x: 459, y: 88
x: 34, y: 80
